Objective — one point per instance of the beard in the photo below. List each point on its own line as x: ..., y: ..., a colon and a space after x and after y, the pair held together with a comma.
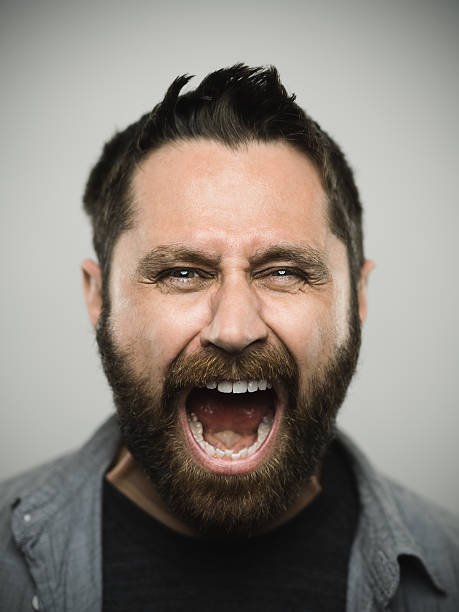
x: 221, y: 505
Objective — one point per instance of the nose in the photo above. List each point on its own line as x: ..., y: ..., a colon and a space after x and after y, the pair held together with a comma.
x: 235, y: 320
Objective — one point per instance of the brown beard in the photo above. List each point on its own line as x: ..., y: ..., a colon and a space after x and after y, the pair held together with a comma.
x: 216, y: 505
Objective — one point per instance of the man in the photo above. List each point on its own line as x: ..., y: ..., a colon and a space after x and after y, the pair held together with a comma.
x: 227, y: 300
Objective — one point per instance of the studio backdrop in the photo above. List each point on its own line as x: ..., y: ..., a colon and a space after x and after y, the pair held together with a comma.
x: 380, y: 77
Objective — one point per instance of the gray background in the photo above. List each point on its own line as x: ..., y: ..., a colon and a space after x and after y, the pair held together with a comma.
x: 381, y: 77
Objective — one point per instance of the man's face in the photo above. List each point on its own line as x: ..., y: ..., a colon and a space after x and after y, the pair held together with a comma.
x: 230, y: 276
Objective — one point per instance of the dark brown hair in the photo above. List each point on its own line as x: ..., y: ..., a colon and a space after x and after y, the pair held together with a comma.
x: 232, y: 106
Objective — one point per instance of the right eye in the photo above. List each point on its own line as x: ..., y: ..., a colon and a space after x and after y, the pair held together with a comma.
x: 183, y: 278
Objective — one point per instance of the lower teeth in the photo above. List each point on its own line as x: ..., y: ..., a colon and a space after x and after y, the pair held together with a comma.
x: 262, y: 433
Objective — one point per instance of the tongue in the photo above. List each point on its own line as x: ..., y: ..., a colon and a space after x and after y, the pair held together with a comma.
x: 230, y: 412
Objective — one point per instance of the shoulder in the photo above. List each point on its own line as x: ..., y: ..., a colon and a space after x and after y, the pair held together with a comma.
x: 14, y: 489
x: 436, y: 534
x: 17, y: 587
x: 434, y: 529
x: 427, y: 520
x: 24, y: 485
x: 16, y: 486
x: 49, y: 512
x: 418, y: 540
x: 63, y: 476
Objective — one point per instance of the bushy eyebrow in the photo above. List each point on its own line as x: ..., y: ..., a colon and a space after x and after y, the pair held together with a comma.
x: 168, y: 254
x: 306, y: 257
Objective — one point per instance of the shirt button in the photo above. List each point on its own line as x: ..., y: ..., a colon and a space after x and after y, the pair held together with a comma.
x: 35, y: 604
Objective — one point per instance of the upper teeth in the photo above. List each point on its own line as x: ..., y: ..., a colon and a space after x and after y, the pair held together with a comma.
x: 240, y: 386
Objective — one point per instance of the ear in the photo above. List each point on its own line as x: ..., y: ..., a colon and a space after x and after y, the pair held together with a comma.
x: 92, y: 288
x: 362, y: 288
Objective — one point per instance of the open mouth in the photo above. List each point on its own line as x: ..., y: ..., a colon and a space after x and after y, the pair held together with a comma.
x: 231, y: 425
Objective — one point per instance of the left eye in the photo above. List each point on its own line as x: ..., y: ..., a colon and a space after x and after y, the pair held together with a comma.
x: 284, y: 273
x: 282, y: 278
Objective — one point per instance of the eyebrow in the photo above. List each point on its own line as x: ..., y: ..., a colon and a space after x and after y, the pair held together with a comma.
x: 305, y: 257
x: 169, y: 254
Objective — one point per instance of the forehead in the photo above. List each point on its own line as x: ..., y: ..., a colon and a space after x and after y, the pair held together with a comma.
x: 228, y: 200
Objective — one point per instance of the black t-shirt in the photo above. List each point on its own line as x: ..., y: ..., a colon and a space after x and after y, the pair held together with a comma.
x: 302, y: 565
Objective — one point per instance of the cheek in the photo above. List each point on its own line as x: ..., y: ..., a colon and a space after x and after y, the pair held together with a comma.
x: 306, y: 329
x: 154, y: 330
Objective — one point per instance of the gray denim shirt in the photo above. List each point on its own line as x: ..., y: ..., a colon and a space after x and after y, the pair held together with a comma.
x: 51, y: 550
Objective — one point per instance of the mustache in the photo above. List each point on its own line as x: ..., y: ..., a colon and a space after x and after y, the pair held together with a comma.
x: 212, y: 364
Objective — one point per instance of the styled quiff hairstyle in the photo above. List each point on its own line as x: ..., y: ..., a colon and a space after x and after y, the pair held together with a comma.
x: 233, y: 106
